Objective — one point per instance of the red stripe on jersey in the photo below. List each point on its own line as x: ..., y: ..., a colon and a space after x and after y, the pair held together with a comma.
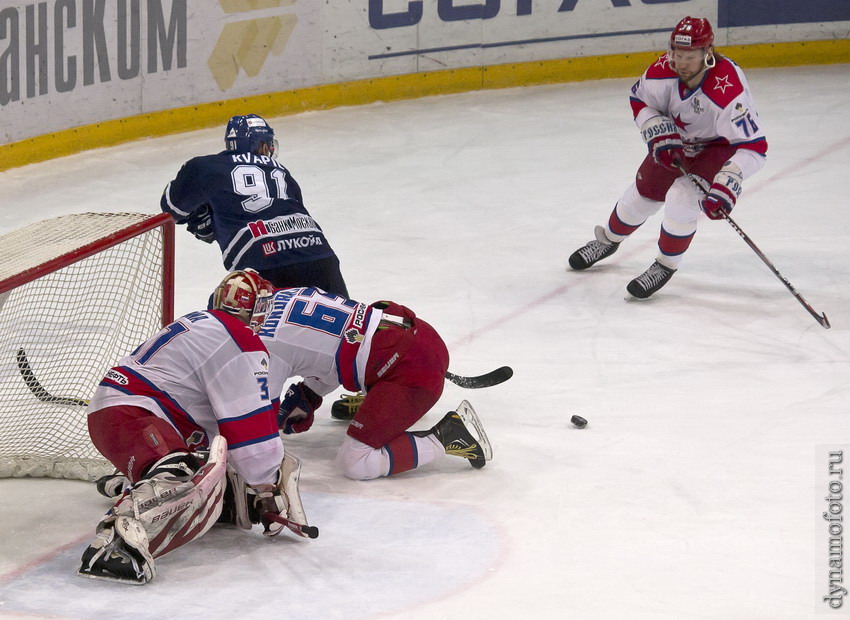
x: 251, y: 428
x: 242, y: 335
x: 179, y: 417
x: 349, y: 344
x: 759, y: 146
x: 637, y: 106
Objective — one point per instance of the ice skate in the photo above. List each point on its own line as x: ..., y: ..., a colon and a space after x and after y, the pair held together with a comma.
x: 456, y: 438
x: 650, y: 281
x: 346, y: 407
x: 119, y: 557
x: 112, y: 485
x: 594, y: 251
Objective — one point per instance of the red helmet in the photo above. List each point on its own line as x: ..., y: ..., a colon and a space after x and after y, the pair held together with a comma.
x: 245, y: 294
x: 692, y: 33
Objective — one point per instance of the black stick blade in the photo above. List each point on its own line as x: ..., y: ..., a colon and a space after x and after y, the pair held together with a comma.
x: 37, y: 389
x: 494, y: 377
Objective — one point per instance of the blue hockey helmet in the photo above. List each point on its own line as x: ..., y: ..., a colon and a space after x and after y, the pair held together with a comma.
x: 246, y: 133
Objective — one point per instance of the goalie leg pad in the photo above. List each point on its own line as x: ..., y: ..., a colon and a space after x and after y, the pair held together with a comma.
x: 174, y: 511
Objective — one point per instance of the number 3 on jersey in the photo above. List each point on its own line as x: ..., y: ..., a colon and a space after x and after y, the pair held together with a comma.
x: 251, y: 181
x: 264, y: 387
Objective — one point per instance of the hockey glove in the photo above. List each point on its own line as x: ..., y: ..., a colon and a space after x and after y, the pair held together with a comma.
x: 297, y: 408
x: 200, y: 224
x: 664, y: 142
x: 724, y: 192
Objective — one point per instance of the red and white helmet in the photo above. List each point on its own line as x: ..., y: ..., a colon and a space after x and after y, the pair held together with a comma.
x: 245, y: 294
x: 694, y: 33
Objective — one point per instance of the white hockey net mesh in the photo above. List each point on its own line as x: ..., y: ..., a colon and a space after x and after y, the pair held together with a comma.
x: 61, y: 331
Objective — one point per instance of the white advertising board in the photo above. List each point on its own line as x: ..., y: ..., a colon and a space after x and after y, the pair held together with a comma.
x: 70, y: 63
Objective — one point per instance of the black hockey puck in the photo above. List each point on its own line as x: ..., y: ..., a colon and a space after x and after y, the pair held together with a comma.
x: 578, y: 421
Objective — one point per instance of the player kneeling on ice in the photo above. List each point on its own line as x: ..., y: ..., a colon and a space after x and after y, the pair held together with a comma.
x: 187, y: 412
x: 384, y: 350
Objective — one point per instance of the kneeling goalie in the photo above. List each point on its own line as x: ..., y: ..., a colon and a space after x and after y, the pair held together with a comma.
x: 188, y: 421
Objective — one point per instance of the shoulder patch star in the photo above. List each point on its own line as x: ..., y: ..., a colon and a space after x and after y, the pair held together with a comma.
x: 679, y: 122
x: 663, y: 62
x: 722, y: 83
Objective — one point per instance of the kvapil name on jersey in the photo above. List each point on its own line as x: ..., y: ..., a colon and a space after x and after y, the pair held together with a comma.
x: 252, y: 158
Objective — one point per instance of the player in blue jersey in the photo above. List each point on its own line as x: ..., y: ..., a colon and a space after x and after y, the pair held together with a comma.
x: 245, y: 200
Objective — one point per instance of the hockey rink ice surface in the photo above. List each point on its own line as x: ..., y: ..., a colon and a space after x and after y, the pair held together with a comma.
x: 698, y: 487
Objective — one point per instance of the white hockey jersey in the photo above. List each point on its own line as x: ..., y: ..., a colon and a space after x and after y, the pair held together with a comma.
x: 719, y: 109
x: 323, y: 338
x: 206, y: 374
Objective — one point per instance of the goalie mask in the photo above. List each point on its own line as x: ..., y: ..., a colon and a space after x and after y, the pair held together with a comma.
x: 245, y: 294
x: 246, y: 134
x: 693, y: 33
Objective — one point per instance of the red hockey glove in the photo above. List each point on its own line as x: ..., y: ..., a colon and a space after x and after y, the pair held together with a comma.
x: 664, y: 142
x: 724, y: 192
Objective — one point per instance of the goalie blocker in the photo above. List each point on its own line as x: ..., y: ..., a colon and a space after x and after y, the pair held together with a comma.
x: 245, y: 506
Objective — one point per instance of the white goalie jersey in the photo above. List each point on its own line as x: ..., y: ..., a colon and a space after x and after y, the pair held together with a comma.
x: 206, y: 373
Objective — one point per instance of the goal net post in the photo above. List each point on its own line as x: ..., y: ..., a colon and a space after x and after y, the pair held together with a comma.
x: 77, y: 292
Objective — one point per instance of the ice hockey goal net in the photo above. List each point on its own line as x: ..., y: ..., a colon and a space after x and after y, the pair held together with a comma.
x: 76, y: 293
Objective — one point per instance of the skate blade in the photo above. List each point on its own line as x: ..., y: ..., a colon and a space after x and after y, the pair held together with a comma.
x: 468, y: 415
x: 113, y: 578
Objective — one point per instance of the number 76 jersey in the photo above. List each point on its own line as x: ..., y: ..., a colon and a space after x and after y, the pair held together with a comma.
x: 720, y: 109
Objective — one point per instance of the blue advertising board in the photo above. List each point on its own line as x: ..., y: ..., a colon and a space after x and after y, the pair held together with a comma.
x: 737, y: 13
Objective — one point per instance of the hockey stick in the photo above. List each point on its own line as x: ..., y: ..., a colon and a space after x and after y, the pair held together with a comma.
x: 307, y: 531
x: 820, y: 318
x: 37, y: 389
x: 494, y: 377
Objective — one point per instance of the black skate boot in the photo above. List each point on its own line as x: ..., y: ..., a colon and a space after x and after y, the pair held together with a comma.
x: 112, y: 485
x: 650, y: 280
x: 594, y: 251
x: 346, y: 407
x: 457, y: 440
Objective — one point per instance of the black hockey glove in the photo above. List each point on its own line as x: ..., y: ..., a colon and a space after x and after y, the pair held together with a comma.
x: 200, y: 224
